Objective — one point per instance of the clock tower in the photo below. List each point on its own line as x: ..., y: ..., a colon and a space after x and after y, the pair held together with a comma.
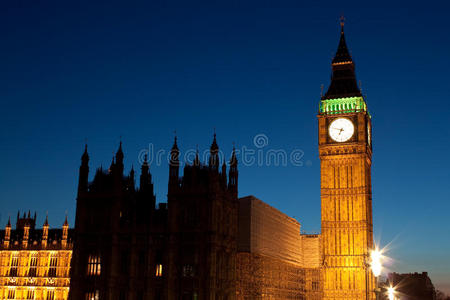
x: 345, y: 150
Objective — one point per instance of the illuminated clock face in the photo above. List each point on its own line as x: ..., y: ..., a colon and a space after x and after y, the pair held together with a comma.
x: 341, y: 130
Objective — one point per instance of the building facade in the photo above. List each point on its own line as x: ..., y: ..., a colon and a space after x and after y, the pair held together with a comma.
x: 35, y: 263
x: 205, y: 243
x: 275, y: 261
x: 127, y: 249
x: 345, y: 150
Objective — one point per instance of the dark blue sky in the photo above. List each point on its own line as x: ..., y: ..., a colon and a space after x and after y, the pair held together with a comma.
x: 76, y: 70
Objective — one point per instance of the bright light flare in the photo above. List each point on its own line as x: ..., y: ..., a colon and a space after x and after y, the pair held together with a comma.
x: 375, y: 262
x: 391, y: 293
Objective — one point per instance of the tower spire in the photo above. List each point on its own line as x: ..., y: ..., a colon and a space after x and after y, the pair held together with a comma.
x: 84, y: 172
x: 174, y: 164
x: 119, y: 159
x: 145, y: 181
x: 343, y: 80
x: 233, y: 174
x: 214, y: 154
x: 196, y: 159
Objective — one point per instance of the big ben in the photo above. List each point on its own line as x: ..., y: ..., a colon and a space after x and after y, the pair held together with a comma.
x: 345, y: 150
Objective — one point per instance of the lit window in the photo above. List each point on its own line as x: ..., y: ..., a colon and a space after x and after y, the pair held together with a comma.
x: 158, y: 270
x: 94, y: 265
x: 50, y: 295
x: 52, y: 266
x: 33, y: 265
x: 92, y: 295
x: 14, y: 265
x: 30, y: 294
x: 11, y: 294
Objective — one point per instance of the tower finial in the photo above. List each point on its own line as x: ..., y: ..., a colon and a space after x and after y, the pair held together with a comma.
x: 342, y: 21
x: 197, y: 159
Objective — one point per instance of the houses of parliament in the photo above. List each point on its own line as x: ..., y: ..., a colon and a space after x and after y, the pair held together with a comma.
x: 206, y: 243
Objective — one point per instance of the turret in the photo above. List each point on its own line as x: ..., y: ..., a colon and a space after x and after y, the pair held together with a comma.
x: 233, y: 174
x: 26, y: 235
x: 196, y: 161
x: 119, y: 161
x: 45, y: 232
x: 174, y: 165
x: 145, y: 182
x: 84, y: 172
x: 112, y: 166
x: 214, y: 155
x: 65, y: 233
x: 7, y: 234
x: 26, y: 219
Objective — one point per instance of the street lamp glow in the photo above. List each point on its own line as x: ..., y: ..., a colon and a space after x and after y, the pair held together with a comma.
x: 375, y: 257
x: 391, y: 293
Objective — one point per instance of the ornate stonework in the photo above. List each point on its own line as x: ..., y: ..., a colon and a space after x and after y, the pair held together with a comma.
x: 346, y: 191
x: 35, y: 263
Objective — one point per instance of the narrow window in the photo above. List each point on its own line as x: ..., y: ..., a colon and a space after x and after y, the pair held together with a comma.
x: 94, y: 265
x: 14, y: 265
x: 53, y: 266
x: 50, y: 295
x: 159, y: 270
x: 93, y: 295
x: 33, y: 265
x: 30, y: 294
x: 11, y: 294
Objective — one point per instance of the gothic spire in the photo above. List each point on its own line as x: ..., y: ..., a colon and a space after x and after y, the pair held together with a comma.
x: 342, y: 53
x: 343, y: 80
x: 84, y: 172
x: 214, y: 145
x: 111, y: 167
x: 85, y: 156
x: 174, y: 165
x: 119, y: 159
x: 175, y: 145
x: 196, y: 160
x: 214, y: 154
x: 233, y: 174
x: 145, y: 181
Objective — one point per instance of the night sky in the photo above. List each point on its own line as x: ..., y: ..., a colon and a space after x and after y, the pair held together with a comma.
x: 106, y: 71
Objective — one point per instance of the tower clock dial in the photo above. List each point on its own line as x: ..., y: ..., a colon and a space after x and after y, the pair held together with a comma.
x: 341, y: 130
